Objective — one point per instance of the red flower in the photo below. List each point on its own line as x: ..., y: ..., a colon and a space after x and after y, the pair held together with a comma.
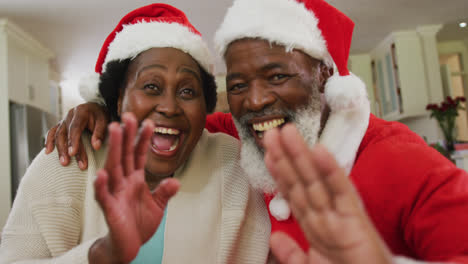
x: 450, y: 101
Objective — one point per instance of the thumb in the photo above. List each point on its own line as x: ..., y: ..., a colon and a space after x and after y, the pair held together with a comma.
x: 165, y: 190
x: 286, y: 250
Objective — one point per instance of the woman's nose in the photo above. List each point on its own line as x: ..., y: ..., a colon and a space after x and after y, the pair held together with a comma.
x: 168, y: 106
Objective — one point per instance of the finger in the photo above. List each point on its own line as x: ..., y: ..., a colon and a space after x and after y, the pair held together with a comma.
x: 102, y: 193
x: 336, y: 179
x: 50, y: 139
x: 75, y: 130
x: 114, y: 157
x: 99, y: 129
x: 142, y: 146
x: 276, y: 162
x: 130, y: 128
x: 81, y: 157
x: 286, y: 250
x: 301, y: 157
x: 61, y: 144
x: 164, y: 191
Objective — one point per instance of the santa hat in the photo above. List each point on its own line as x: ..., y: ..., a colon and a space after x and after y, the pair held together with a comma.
x: 324, y: 33
x: 151, y: 26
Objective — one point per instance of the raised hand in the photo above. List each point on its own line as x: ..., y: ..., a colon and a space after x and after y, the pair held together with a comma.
x: 66, y: 134
x: 133, y: 213
x: 324, y: 202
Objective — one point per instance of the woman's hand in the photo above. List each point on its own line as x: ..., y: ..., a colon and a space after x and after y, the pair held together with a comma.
x: 133, y: 213
x: 66, y: 134
x: 324, y: 202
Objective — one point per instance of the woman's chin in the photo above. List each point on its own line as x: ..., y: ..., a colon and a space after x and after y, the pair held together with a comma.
x: 157, y: 170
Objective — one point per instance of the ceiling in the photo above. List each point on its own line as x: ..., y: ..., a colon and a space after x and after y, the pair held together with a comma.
x: 74, y: 30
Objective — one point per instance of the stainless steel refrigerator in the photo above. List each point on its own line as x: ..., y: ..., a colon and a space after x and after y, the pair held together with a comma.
x: 28, y: 129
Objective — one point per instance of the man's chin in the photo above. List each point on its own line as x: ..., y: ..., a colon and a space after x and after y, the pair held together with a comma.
x: 251, y: 160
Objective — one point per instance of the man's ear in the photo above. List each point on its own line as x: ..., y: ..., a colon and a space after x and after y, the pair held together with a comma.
x: 325, y: 73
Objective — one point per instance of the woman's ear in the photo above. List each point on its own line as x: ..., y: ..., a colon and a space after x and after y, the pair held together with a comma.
x: 325, y: 73
x: 119, y: 102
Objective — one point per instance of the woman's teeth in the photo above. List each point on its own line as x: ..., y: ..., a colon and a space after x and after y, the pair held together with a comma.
x: 168, y: 131
x: 172, y: 133
x: 267, y: 125
x: 174, y: 144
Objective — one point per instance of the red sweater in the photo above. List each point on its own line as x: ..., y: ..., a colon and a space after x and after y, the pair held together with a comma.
x: 417, y: 199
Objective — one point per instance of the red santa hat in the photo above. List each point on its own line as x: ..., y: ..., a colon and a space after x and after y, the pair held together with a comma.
x: 324, y: 33
x: 151, y: 26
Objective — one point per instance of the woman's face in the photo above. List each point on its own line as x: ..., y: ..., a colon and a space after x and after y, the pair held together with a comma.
x: 165, y: 86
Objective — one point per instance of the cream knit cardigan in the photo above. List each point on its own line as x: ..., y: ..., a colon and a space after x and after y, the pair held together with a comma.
x: 215, y: 217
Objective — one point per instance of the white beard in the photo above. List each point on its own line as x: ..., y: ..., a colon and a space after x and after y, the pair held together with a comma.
x: 307, y: 121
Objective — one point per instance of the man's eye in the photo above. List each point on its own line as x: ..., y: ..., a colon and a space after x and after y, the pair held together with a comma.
x: 237, y: 88
x: 278, y: 77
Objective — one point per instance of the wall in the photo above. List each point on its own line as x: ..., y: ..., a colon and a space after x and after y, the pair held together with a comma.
x: 460, y: 47
x: 5, y: 176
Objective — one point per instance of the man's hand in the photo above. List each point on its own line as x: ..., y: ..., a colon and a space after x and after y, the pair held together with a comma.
x: 66, y: 134
x: 133, y: 213
x: 324, y: 202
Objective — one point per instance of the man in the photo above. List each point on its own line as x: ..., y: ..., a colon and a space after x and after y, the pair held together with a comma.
x: 279, y: 56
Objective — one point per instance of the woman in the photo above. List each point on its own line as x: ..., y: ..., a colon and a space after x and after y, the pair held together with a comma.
x: 155, y: 66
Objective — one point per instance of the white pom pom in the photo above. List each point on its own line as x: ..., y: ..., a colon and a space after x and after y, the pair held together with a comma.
x: 279, y: 208
x: 89, y: 88
x: 344, y: 92
x: 348, y: 120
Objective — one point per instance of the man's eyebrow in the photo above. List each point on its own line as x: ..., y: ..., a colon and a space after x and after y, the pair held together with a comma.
x: 233, y: 76
x: 272, y: 66
x: 189, y: 70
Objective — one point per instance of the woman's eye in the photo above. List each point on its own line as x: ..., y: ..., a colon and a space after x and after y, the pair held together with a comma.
x: 187, y: 93
x: 152, y: 87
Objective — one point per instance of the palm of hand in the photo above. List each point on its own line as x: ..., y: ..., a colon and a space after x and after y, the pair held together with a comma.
x: 134, y: 217
x: 133, y: 213
x: 324, y: 202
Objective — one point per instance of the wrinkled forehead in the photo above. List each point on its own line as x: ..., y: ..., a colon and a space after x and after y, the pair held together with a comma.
x: 260, y: 51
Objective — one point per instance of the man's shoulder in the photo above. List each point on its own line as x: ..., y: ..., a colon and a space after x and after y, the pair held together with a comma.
x: 389, y: 132
x: 393, y: 149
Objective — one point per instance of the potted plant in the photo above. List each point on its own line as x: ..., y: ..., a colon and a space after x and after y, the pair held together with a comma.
x: 445, y: 113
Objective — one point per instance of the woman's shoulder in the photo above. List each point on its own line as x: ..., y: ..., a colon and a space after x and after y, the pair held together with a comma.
x: 46, y: 177
x: 223, y: 144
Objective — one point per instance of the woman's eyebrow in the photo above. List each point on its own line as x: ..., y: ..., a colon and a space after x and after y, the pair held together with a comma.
x: 160, y: 66
x: 189, y: 70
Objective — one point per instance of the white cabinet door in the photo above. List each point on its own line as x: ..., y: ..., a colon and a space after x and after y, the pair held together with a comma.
x: 38, y: 91
x: 17, y: 73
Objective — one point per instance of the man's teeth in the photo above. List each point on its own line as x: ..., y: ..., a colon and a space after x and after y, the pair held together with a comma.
x: 267, y: 125
x: 169, y: 131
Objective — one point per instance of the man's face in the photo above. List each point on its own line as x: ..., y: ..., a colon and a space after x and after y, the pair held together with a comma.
x: 268, y: 87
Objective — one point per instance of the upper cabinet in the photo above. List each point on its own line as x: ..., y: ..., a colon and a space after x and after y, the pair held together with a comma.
x: 24, y: 64
x: 399, y: 76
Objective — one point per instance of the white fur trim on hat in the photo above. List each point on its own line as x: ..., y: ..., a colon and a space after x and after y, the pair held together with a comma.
x: 348, y: 119
x: 405, y: 260
x: 89, y: 88
x: 136, y: 38
x: 286, y: 23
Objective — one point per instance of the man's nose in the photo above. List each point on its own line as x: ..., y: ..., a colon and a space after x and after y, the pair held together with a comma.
x: 258, y: 97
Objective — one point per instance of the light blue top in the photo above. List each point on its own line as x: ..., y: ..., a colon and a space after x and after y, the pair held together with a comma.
x: 152, y: 251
